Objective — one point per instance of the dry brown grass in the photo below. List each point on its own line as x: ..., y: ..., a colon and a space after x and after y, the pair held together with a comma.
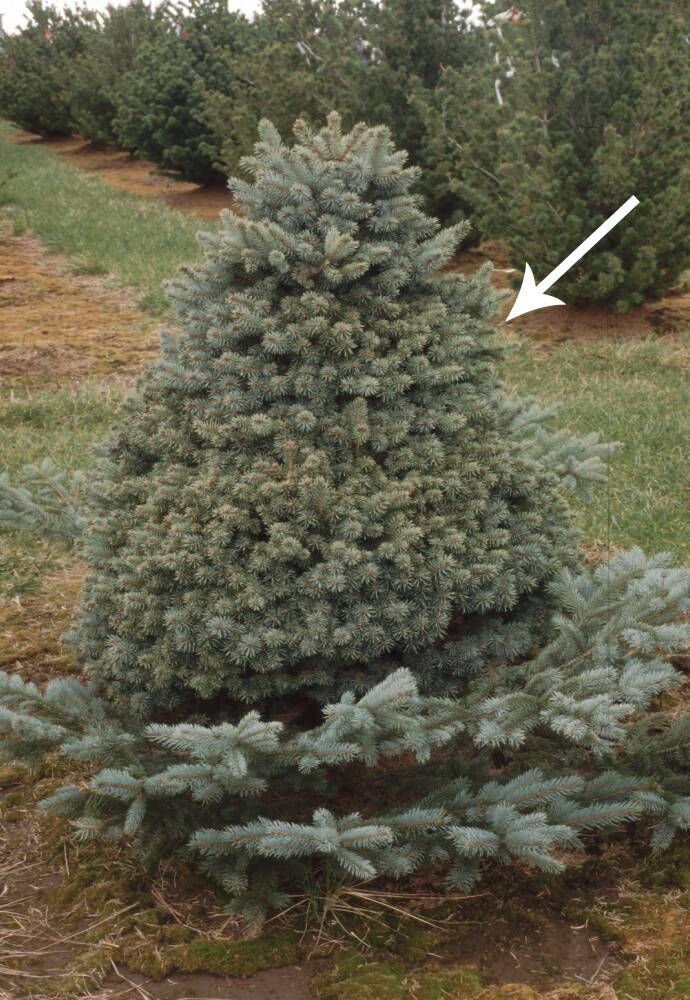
x: 59, y: 328
x: 32, y: 626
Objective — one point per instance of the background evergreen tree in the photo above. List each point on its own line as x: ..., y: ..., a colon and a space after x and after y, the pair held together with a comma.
x: 109, y: 52
x: 322, y: 478
x: 34, y: 66
x: 160, y: 102
x: 415, y: 41
x: 304, y: 58
x: 595, y: 105
x: 373, y: 61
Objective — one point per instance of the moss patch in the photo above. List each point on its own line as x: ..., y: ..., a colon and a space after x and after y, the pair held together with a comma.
x: 670, y: 868
x: 656, y: 937
x: 354, y: 977
x: 606, y: 929
x: 156, y: 959
x: 96, y: 887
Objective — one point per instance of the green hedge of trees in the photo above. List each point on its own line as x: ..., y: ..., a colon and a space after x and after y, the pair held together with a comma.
x: 595, y: 107
x: 535, y: 123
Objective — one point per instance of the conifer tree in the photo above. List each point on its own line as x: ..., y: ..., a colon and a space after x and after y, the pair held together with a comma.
x: 577, y: 106
x: 92, y: 80
x: 514, y: 772
x: 321, y: 486
x: 160, y: 100
x: 322, y: 478
x: 373, y: 61
x: 416, y: 41
x: 34, y: 65
x: 302, y: 58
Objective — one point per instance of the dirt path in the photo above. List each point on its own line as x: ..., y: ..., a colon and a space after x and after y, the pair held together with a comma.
x: 126, y: 173
x: 58, y: 328
x: 547, y: 328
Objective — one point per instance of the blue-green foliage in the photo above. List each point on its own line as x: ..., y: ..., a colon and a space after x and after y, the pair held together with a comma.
x: 322, y: 488
x: 582, y: 750
x: 45, y: 499
x: 50, y: 501
x: 322, y: 478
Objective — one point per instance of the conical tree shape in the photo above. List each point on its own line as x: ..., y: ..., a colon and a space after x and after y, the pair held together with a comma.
x: 318, y: 481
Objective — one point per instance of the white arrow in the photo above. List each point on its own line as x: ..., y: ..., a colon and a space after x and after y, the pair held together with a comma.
x: 532, y: 296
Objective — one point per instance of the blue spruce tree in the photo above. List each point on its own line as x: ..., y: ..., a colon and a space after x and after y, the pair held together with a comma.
x: 321, y: 479
x: 321, y: 492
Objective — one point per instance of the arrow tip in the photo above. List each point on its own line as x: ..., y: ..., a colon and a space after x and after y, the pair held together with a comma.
x: 530, y: 298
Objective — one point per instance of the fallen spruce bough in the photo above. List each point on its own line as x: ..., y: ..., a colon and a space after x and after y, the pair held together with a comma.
x: 321, y: 487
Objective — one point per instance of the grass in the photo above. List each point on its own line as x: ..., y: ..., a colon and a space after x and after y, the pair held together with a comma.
x: 635, y: 392
x: 60, y: 425
x: 102, y: 231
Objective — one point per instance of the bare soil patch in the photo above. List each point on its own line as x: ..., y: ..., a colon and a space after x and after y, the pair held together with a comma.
x: 546, y: 948
x: 290, y: 983
x: 58, y: 328
x: 551, y: 327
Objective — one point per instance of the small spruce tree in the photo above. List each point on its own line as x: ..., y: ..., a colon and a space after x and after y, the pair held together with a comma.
x: 318, y: 481
x: 322, y: 480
